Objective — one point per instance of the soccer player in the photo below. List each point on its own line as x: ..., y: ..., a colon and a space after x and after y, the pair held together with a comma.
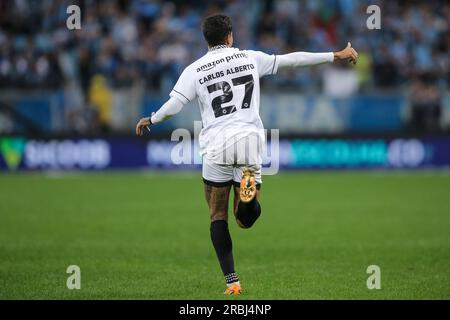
x: 226, y: 82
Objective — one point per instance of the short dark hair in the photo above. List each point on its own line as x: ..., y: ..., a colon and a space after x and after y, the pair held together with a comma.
x: 216, y: 28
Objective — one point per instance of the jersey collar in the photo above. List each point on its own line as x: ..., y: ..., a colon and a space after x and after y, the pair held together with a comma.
x: 220, y: 46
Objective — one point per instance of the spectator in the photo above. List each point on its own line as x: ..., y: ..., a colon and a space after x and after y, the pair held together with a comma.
x: 425, y: 102
x: 100, y: 97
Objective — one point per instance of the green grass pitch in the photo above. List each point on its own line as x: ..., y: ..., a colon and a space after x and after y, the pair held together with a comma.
x: 146, y: 236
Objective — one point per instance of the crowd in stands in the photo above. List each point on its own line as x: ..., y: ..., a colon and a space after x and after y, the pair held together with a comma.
x: 152, y: 41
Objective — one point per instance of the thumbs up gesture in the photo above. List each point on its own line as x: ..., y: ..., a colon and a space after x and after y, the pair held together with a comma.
x: 347, y: 54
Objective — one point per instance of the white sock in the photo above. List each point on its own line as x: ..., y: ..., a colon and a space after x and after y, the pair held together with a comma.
x: 230, y: 284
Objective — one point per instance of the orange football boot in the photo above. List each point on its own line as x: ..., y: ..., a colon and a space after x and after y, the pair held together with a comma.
x: 248, y: 185
x: 233, y: 289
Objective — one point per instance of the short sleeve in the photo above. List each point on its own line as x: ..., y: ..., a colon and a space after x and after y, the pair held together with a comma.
x: 265, y: 63
x: 184, y: 89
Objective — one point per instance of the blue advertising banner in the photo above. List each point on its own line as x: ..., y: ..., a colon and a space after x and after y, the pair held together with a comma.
x: 298, y: 114
x: 292, y: 113
x: 18, y: 153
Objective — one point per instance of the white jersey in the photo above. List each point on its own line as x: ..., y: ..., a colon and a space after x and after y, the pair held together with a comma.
x: 226, y: 82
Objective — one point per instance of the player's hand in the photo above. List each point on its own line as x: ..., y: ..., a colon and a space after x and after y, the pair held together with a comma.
x: 347, y: 54
x: 144, y: 122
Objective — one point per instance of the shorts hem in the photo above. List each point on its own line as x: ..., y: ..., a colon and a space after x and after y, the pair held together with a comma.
x: 217, y: 184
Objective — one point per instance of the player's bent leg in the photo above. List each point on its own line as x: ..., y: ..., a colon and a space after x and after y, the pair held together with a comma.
x: 246, y: 213
x: 246, y: 195
x: 217, y: 197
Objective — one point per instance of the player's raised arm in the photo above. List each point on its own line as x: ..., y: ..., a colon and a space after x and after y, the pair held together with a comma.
x: 168, y: 109
x: 182, y: 93
x: 300, y: 59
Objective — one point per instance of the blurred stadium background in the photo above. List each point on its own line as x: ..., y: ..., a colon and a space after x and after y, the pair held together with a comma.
x: 70, y: 99
x: 127, y: 56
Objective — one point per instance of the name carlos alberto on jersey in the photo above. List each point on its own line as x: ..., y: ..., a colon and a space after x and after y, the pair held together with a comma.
x: 222, y: 73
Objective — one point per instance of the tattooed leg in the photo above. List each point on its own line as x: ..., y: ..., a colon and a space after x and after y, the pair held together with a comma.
x: 217, y: 199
